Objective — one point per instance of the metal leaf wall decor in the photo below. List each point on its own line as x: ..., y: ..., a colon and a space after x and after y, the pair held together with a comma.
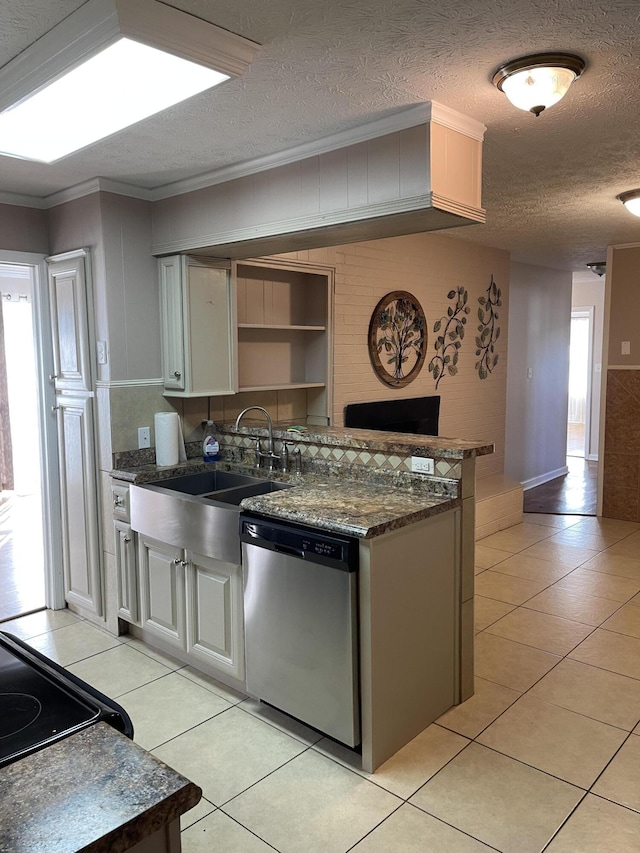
x: 447, y: 344
x: 397, y: 338
x: 488, y: 330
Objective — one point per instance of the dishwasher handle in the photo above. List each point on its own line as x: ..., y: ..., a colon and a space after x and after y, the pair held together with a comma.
x: 287, y: 549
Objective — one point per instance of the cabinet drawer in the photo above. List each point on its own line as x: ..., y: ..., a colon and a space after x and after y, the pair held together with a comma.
x: 120, y: 498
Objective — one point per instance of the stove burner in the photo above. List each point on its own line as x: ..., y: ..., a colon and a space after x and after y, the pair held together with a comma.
x: 17, y: 712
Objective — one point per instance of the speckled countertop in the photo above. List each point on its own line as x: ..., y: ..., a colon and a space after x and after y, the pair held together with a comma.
x: 356, y: 509
x: 95, y: 791
x: 372, y: 440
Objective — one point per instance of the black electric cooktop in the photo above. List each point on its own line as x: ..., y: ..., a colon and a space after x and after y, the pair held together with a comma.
x: 40, y: 702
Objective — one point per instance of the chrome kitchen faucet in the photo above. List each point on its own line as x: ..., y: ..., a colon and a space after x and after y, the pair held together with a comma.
x: 270, y: 453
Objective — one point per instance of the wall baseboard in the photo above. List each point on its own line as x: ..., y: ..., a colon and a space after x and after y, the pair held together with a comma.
x: 544, y: 478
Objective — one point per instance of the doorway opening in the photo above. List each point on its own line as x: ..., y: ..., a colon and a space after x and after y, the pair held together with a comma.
x: 22, y: 559
x: 580, y: 369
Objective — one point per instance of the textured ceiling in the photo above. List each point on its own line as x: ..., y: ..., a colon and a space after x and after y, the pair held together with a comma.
x: 549, y: 183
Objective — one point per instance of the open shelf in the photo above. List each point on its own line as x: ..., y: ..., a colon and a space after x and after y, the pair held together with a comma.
x: 287, y: 386
x: 281, y: 327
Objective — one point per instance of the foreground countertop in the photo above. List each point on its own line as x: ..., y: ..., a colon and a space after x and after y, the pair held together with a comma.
x: 95, y: 791
x: 355, y: 509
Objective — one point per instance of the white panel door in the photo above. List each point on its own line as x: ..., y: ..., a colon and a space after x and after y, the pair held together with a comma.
x: 79, y: 499
x: 215, y: 613
x: 70, y: 322
x: 162, y: 590
x: 171, y: 308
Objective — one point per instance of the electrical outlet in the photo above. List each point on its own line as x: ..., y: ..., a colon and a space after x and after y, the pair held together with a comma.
x: 144, y: 437
x: 422, y: 465
x: 101, y: 347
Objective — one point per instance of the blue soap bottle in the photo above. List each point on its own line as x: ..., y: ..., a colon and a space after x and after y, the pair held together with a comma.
x: 210, y: 445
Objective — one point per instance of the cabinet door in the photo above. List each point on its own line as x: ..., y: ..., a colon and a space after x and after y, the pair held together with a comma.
x: 215, y: 613
x: 171, y: 307
x: 70, y: 322
x: 212, y: 330
x: 79, y: 499
x: 126, y: 572
x: 162, y: 590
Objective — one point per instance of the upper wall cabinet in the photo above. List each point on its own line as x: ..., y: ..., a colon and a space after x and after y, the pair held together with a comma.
x: 265, y: 328
x: 68, y: 293
x: 198, y: 327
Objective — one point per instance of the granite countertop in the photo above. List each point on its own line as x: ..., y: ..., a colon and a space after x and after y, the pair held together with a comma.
x: 369, y: 439
x: 95, y: 791
x: 356, y: 509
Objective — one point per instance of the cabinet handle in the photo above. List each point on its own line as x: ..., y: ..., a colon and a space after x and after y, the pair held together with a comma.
x: 127, y: 539
x: 54, y: 408
x: 118, y: 501
x: 176, y: 561
x: 177, y: 374
x: 52, y: 377
x: 183, y: 563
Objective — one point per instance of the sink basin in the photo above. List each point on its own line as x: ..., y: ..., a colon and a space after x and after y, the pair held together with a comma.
x: 198, y: 512
x: 234, y: 496
x: 206, y: 482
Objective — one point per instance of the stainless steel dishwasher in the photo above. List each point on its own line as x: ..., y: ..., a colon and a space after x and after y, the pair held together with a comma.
x: 301, y: 631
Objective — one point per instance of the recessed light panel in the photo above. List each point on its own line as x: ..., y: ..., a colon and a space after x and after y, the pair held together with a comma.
x: 123, y: 84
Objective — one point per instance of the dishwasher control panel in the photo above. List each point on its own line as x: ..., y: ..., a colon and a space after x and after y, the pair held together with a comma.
x: 340, y: 552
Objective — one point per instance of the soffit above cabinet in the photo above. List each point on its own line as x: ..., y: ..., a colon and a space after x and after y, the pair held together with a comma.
x: 423, y: 177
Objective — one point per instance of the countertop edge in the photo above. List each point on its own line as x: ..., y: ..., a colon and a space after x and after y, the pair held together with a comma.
x: 94, y: 791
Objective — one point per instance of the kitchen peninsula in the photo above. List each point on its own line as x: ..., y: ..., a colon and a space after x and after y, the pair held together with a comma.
x: 415, y: 577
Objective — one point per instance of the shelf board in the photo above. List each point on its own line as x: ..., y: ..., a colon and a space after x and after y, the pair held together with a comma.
x: 284, y: 386
x: 282, y: 327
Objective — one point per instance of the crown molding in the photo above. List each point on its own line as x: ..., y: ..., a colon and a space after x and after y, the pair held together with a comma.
x: 402, y: 120
x: 456, y: 121
x: 95, y: 185
x: 19, y: 200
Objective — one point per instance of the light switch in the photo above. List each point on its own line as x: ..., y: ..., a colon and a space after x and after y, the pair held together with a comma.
x: 626, y: 347
x: 529, y: 372
x: 101, y: 347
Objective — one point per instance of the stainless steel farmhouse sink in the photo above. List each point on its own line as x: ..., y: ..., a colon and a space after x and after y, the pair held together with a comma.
x: 206, y: 482
x: 198, y: 512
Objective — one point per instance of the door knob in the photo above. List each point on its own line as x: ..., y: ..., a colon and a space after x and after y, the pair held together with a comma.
x: 177, y: 374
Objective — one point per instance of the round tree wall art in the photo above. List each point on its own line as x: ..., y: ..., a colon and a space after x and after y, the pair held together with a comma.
x: 397, y: 338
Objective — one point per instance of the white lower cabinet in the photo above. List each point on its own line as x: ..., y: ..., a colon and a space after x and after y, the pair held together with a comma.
x: 193, y: 602
x: 162, y: 590
x: 126, y: 572
x: 215, y: 617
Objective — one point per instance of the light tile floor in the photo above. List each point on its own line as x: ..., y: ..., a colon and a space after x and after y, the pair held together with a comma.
x: 545, y: 755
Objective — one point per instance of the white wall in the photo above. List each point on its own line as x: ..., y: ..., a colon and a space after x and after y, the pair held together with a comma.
x: 588, y: 292
x: 539, y: 329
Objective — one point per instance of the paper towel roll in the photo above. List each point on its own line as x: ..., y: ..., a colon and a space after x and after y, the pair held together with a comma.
x: 167, y: 427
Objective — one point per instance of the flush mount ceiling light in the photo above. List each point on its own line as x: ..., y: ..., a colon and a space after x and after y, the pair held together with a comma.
x: 599, y: 268
x: 106, y: 66
x: 536, y: 82
x: 631, y: 201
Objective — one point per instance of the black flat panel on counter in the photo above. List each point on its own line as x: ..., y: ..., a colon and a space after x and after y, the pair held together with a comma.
x: 415, y: 415
x: 41, y: 703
